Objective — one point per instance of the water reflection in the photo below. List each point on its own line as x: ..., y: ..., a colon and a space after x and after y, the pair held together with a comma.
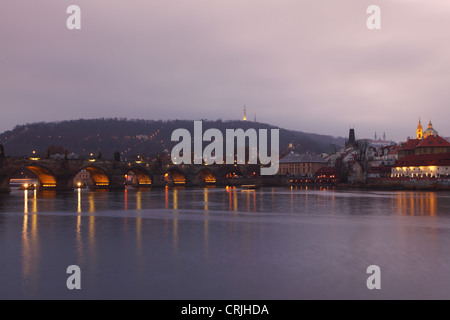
x: 134, y: 230
x: 26, y: 251
x: 139, y: 247
x: 205, y: 199
x: 235, y: 200
x: 91, y: 202
x: 292, y: 198
x: 206, y: 222
x: 126, y: 199
x: 139, y: 200
x: 79, y: 241
x: 175, y: 221
x: 167, y: 197
x: 175, y: 199
x: 79, y: 200
x: 416, y: 204
x: 30, y: 249
x: 34, y: 210
x: 175, y: 236
x: 92, y: 243
x: 296, y: 200
x: 25, y: 199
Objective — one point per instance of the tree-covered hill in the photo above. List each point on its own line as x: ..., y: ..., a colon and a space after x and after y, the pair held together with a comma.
x: 135, y: 137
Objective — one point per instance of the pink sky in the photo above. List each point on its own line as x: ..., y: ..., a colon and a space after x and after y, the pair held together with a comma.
x: 309, y: 65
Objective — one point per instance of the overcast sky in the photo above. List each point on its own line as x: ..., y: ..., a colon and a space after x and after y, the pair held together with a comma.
x: 308, y: 65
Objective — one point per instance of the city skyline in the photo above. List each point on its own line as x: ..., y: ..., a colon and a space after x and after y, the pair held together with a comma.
x: 300, y: 65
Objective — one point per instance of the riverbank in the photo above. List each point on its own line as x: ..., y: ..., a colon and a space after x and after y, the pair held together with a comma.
x: 394, y: 186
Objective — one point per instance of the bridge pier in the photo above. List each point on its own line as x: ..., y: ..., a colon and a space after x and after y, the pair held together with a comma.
x: 64, y: 183
x: 158, y: 180
x: 116, y: 181
x: 4, y: 183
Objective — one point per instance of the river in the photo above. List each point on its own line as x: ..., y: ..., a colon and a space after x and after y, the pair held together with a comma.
x: 225, y: 243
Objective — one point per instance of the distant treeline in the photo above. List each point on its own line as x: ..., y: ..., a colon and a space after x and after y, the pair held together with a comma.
x: 134, y: 137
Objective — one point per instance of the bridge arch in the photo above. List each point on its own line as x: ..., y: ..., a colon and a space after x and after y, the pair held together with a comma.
x: 205, y: 176
x: 174, y: 177
x: 233, y: 172
x: 46, y: 178
x: 139, y: 177
x: 97, y: 177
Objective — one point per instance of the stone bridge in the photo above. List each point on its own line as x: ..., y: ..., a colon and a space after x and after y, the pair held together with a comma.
x: 59, y: 174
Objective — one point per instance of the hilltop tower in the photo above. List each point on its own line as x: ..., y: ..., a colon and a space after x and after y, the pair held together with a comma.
x: 245, y: 114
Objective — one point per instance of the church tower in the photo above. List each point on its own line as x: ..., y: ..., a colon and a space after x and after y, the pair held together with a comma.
x: 419, y: 131
x: 430, y: 131
x: 245, y: 114
x: 351, y: 142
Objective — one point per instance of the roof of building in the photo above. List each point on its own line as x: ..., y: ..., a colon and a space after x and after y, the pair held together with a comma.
x: 380, y: 169
x: 411, y: 144
x: 295, y: 157
x: 394, y: 150
x: 433, y: 141
x: 326, y: 170
x: 439, y: 159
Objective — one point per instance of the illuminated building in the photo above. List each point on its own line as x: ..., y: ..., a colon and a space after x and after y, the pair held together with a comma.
x: 245, y: 114
x: 427, y: 142
x: 419, y: 131
x: 423, y: 166
x: 304, y: 165
x: 82, y: 178
x: 429, y: 132
x: 408, y: 148
x: 428, y: 156
x: 326, y: 174
x: 429, y: 145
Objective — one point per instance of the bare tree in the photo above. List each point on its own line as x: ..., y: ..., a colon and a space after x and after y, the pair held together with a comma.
x: 342, y: 170
x: 363, y: 155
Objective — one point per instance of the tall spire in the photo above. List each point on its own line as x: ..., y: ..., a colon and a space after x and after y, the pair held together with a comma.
x: 419, y: 130
x: 245, y: 114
